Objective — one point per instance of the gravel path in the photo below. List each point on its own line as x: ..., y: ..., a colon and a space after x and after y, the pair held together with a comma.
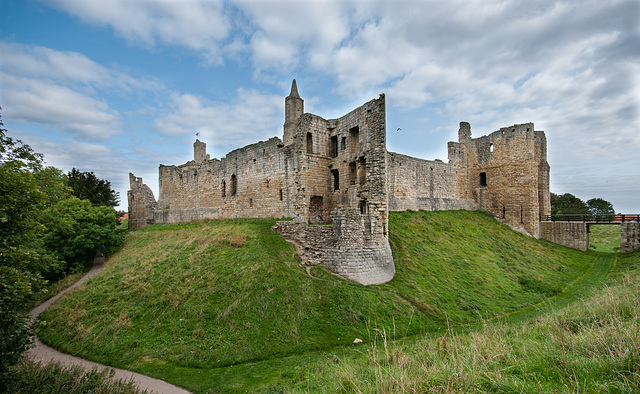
x: 44, y: 353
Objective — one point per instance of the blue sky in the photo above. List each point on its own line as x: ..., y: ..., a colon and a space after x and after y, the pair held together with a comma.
x: 119, y: 86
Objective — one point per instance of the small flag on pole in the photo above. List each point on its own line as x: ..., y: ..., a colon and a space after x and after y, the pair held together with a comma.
x: 197, y: 134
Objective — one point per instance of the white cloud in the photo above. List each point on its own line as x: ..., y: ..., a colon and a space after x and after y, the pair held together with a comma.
x: 286, y: 33
x: 195, y: 24
x: 54, y: 106
x: 250, y: 117
x: 62, y: 90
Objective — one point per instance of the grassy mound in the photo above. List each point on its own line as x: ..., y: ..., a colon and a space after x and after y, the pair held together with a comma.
x: 209, y: 295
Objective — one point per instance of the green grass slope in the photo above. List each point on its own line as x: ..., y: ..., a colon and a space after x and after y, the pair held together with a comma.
x: 185, y: 302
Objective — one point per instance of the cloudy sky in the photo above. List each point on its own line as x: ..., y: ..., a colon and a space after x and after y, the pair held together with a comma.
x: 119, y: 86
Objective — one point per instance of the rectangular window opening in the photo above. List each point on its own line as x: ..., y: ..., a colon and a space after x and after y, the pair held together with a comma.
x: 483, y: 179
x: 354, y: 140
x: 352, y: 173
x: 335, y: 174
x: 362, y: 172
x: 234, y: 185
x: 333, y: 146
x: 309, y: 143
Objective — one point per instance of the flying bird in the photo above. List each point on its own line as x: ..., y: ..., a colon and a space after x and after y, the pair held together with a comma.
x: 399, y: 129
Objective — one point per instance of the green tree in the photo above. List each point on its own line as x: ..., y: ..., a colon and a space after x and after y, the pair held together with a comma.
x: 87, y: 186
x: 76, y: 230
x: 599, y: 206
x: 23, y: 258
x: 568, y: 204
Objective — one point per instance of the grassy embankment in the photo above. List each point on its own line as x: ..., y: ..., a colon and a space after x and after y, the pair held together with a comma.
x: 226, y: 306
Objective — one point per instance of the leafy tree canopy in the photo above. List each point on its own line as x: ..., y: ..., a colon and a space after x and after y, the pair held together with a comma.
x: 76, y: 230
x: 598, y: 206
x: 22, y: 253
x: 87, y: 186
x: 44, y: 231
x: 568, y: 204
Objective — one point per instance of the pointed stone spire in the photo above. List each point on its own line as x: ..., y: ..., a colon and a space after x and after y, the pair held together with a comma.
x: 294, y: 90
x: 293, y: 109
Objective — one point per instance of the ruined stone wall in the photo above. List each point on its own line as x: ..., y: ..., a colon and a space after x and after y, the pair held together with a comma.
x: 307, y: 169
x: 345, y: 248
x: 544, y: 195
x: 629, y: 237
x: 571, y: 234
x: 337, y: 172
x: 417, y: 184
x: 142, y: 203
x: 338, y: 169
x: 248, y: 182
x: 505, y: 173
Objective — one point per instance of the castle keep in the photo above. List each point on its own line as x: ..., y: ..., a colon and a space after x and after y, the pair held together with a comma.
x: 337, y: 181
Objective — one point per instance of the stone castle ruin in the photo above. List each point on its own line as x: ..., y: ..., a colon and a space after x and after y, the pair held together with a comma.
x: 338, y: 182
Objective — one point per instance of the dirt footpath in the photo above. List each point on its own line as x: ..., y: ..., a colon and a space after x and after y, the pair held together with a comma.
x: 44, y: 353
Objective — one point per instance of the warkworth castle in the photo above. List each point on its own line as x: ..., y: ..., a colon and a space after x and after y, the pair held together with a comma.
x: 337, y: 181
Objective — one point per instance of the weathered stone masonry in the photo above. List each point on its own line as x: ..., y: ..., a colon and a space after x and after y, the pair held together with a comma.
x: 337, y: 181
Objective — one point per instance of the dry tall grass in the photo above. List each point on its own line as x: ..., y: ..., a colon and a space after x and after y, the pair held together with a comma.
x: 593, y: 346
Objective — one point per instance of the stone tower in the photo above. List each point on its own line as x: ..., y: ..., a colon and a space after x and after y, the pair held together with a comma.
x: 294, y: 108
x: 199, y: 151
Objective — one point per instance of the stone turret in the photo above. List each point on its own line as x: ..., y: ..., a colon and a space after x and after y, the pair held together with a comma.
x: 294, y: 108
x: 199, y: 151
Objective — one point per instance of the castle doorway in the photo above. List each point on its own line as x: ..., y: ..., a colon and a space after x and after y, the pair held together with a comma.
x: 316, y: 210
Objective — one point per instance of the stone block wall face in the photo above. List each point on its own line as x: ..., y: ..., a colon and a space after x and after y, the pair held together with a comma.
x: 308, y: 169
x: 205, y: 190
x: 571, y: 234
x: 544, y: 196
x: 505, y: 173
x: 418, y: 184
x: 629, y: 237
x: 344, y: 248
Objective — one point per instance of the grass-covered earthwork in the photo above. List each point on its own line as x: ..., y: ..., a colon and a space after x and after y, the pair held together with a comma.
x: 226, y: 305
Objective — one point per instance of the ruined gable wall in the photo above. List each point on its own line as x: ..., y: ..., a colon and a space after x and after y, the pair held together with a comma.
x: 361, y: 163
x: 141, y: 203
x: 204, y: 190
x: 417, y: 184
x: 355, y: 246
x: 544, y: 197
